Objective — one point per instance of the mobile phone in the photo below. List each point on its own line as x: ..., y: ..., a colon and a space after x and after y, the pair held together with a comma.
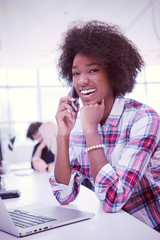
x: 75, y: 103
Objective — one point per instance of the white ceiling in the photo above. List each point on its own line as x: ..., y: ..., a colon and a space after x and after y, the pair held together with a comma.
x: 30, y: 30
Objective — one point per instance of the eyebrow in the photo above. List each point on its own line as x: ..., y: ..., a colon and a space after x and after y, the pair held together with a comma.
x: 88, y: 65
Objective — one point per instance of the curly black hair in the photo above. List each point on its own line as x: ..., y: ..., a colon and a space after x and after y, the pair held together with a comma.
x: 105, y: 42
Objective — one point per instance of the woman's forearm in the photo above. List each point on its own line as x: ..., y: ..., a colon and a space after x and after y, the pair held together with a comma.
x: 96, y: 156
x: 62, y: 170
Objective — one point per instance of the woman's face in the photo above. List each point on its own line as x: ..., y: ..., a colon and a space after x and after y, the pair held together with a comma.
x: 91, y: 80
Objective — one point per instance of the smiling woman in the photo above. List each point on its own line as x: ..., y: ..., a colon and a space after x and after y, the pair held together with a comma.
x: 114, y: 142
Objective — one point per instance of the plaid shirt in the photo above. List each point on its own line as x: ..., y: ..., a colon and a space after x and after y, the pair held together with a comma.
x: 131, y: 179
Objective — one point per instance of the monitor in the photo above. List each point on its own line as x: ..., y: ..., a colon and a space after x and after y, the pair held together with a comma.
x: 2, y: 169
x: 1, y: 159
x: 1, y: 154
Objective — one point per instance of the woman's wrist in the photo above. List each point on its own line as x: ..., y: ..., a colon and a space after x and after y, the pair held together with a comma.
x: 91, y: 131
x: 62, y: 137
x: 92, y: 138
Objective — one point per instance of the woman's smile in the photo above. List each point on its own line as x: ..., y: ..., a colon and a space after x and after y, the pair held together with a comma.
x: 87, y: 94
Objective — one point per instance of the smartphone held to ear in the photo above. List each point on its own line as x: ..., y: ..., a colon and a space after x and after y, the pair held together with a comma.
x: 75, y: 103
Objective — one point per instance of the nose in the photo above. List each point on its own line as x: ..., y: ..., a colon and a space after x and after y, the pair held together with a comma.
x: 83, y: 79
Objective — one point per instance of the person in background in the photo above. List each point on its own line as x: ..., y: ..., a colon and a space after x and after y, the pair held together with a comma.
x: 43, y: 155
x: 112, y: 141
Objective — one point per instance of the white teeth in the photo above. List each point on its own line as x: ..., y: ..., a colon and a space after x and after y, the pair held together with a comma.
x: 88, y: 91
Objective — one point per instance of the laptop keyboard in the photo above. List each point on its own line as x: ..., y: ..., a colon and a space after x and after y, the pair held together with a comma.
x: 25, y: 219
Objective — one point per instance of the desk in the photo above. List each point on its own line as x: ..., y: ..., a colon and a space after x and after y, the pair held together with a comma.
x: 35, y: 188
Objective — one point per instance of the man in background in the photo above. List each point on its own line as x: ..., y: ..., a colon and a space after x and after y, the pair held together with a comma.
x: 42, y: 156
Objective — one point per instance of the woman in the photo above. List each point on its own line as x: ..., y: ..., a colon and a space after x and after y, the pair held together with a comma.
x: 114, y: 142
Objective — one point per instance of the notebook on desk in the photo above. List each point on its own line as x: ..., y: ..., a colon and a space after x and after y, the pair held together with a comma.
x: 20, y: 222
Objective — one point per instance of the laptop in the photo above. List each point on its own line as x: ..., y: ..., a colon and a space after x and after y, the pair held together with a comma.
x: 22, y: 222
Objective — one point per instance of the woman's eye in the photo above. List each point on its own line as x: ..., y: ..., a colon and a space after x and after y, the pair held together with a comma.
x: 93, y: 70
x: 75, y: 74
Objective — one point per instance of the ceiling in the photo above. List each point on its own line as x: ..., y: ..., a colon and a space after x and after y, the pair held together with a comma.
x: 30, y: 30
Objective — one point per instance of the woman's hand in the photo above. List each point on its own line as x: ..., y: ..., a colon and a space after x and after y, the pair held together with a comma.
x: 91, y: 115
x: 65, y: 116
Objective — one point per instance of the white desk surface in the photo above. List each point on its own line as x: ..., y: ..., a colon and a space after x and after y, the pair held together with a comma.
x: 35, y: 188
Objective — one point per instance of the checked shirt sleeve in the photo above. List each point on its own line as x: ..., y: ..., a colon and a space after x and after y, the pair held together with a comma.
x: 115, y: 183
x: 67, y: 193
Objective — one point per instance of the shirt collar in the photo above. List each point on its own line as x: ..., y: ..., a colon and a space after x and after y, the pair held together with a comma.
x: 116, y: 111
